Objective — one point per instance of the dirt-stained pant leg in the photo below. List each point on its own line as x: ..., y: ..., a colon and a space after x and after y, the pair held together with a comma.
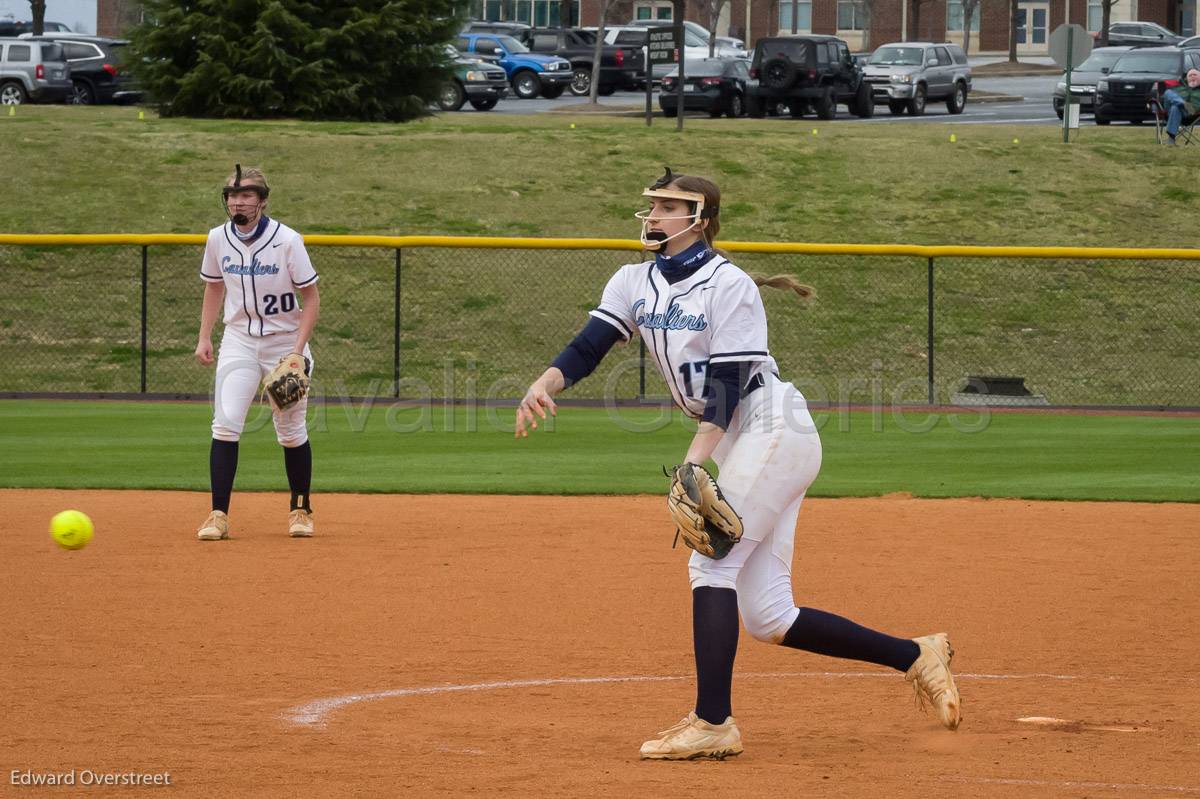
x: 767, y: 462
x: 242, y: 362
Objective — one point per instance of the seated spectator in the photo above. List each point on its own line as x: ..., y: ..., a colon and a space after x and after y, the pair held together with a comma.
x: 1182, y: 101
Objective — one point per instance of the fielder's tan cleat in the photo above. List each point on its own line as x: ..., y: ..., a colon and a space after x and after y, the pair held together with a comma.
x: 300, y: 524
x: 693, y: 738
x: 932, y: 680
x: 215, y: 527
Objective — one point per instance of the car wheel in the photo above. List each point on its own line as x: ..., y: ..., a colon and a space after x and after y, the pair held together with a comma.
x: 581, y: 81
x: 916, y: 106
x: 83, y: 94
x: 956, y: 102
x: 754, y: 107
x: 526, y: 85
x: 668, y: 112
x: 484, y: 103
x: 778, y: 74
x: 796, y: 110
x: 451, y: 97
x: 736, y: 106
x: 896, y: 107
x: 826, y: 105
x: 864, y: 103
x: 1059, y: 112
x: 552, y: 92
x: 1101, y: 120
x: 12, y: 94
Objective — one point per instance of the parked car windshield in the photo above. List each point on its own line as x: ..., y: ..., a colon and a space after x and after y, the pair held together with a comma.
x: 512, y: 45
x: 1098, y: 60
x: 1149, y: 62
x: 898, y: 56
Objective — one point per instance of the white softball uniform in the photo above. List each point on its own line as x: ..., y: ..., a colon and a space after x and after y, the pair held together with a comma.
x: 262, y: 316
x: 771, y: 452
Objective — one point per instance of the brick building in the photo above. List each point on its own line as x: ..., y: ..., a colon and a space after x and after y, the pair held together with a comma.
x: 890, y: 20
x: 862, y: 23
x: 114, y: 17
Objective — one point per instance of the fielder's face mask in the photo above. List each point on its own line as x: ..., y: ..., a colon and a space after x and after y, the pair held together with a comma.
x: 654, y: 239
x: 261, y: 189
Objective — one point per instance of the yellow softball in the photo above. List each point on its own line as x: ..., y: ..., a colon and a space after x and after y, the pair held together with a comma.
x: 71, y: 529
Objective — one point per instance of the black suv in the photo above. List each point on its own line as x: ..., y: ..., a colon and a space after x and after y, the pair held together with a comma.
x: 1124, y: 93
x: 97, y: 68
x: 807, y: 71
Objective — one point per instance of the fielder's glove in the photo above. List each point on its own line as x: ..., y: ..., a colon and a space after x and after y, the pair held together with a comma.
x: 287, y: 383
x: 706, y: 521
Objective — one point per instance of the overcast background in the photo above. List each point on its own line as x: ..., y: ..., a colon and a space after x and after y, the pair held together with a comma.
x: 78, y: 15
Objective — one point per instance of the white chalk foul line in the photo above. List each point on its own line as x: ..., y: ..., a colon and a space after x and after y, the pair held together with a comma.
x: 314, y: 713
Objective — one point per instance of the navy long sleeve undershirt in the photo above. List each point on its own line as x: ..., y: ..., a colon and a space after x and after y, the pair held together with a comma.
x: 586, y: 350
x: 724, y: 387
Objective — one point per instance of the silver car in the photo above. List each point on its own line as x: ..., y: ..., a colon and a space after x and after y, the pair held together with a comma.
x: 906, y: 75
x: 33, y: 70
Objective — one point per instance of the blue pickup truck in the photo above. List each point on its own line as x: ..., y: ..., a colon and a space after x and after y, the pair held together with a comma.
x: 531, y: 74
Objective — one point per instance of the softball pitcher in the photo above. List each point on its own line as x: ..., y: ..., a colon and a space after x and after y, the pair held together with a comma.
x: 704, y: 324
x: 262, y: 270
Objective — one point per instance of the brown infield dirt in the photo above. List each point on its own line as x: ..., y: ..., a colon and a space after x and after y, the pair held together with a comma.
x: 492, y: 645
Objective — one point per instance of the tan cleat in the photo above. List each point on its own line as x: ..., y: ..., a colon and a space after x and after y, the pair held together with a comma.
x: 215, y: 527
x: 693, y: 738
x: 932, y: 680
x: 300, y: 524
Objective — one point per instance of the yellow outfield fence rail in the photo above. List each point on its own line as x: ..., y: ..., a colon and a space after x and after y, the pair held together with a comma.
x: 475, y: 318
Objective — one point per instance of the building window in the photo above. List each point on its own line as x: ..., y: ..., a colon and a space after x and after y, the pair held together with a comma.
x: 653, y: 11
x: 803, y: 14
x: 1095, y: 16
x: 954, y: 16
x: 851, y: 16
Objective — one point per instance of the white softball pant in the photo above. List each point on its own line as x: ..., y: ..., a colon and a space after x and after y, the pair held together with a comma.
x: 242, y: 363
x: 767, y: 459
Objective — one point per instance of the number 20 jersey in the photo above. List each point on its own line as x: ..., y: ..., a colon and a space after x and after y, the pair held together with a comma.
x: 261, y: 277
x: 711, y: 317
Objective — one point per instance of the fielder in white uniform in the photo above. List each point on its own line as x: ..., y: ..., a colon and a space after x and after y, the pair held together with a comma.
x: 271, y: 306
x: 705, y: 327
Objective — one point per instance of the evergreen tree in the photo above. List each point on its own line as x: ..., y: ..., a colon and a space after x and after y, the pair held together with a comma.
x: 374, y: 60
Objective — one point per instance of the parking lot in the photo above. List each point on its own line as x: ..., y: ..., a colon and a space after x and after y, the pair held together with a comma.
x: 1032, y: 107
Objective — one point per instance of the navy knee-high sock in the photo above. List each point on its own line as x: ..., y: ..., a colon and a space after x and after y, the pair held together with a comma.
x: 715, y: 638
x: 298, y: 462
x: 222, y: 466
x: 828, y: 634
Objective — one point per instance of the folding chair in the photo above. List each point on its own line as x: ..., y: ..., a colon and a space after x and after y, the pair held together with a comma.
x: 1187, y: 128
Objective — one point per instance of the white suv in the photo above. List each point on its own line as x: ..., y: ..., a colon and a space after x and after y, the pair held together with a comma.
x: 695, y: 45
x: 33, y: 69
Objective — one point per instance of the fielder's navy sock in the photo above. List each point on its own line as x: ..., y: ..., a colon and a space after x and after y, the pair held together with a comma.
x: 298, y: 462
x: 827, y: 634
x: 715, y: 638
x: 222, y: 466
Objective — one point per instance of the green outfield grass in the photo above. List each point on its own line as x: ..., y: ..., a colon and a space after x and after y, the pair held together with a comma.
x: 593, y: 451
x: 487, y: 174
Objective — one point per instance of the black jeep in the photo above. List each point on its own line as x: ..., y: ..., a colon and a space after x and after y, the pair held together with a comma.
x: 807, y: 71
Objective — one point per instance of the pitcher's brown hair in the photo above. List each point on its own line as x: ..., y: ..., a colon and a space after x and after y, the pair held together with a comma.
x: 712, y: 210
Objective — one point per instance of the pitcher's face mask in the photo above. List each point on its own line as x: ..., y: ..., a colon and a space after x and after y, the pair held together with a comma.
x: 653, y: 239
x: 239, y: 206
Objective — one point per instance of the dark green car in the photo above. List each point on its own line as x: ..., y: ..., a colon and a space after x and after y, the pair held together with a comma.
x: 477, y: 82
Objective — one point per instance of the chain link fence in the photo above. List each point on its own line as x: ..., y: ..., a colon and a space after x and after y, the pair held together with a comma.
x: 474, y: 323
